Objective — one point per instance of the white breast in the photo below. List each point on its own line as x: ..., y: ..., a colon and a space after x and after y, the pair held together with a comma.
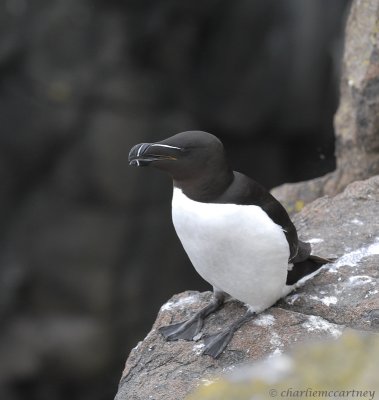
x: 236, y: 248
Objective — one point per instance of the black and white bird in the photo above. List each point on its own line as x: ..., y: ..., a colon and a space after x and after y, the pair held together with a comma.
x: 237, y: 235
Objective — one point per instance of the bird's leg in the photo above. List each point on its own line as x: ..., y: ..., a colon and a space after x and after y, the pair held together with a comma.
x: 187, y: 330
x: 215, y: 344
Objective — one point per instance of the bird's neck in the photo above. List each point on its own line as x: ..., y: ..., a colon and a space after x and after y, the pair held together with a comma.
x: 207, y: 187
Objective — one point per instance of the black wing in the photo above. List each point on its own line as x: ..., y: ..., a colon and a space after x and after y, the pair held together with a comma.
x: 247, y: 191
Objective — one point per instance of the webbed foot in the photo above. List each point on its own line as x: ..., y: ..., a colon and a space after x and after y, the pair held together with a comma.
x: 187, y: 330
x: 216, y: 344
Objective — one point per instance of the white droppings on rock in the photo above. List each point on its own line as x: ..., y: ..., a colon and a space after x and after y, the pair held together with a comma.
x: 350, y: 259
x: 315, y: 240
x: 264, y: 320
x: 327, y: 300
x: 374, y: 248
x: 275, y: 340
x: 356, y: 221
x: 292, y: 299
x: 353, y: 258
x: 337, y: 289
x: 371, y: 293
x: 181, y: 303
x: 198, y: 348
x: 316, y: 323
x: 359, y: 280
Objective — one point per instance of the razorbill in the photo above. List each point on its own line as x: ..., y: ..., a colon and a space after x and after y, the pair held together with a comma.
x: 237, y: 235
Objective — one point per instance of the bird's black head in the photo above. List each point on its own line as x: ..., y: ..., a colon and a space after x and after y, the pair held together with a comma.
x: 185, y: 156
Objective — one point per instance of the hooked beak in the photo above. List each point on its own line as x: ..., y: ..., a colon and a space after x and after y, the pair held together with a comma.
x: 143, y: 154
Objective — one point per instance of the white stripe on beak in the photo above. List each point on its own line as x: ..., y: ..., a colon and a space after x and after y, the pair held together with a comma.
x: 165, y: 145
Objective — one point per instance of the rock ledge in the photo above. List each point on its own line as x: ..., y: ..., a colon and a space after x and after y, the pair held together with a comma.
x: 344, y: 294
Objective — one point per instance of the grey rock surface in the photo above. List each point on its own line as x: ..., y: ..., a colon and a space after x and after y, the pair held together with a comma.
x: 347, y: 227
x: 345, y: 293
x: 357, y: 119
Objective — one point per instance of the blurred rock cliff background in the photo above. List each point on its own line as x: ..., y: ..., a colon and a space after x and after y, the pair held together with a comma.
x: 87, y: 250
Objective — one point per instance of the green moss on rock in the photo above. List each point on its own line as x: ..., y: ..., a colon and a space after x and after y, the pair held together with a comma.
x: 345, y: 368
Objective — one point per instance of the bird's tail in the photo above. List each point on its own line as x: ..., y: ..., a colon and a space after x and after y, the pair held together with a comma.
x: 307, y: 267
x: 321, y: 260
